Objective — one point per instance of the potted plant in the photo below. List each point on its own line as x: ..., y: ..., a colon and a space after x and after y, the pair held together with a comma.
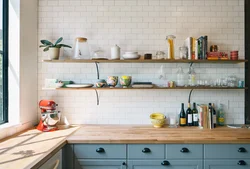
x: 54, y: 49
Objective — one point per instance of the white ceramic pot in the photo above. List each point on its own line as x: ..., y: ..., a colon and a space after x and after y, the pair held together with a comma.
x: 115, y: 52
x: 54, y: 53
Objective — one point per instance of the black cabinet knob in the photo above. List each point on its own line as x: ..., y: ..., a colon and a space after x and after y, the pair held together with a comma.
x: 100, y: 150
x: 123, y: 163
x: 165, y: 163
x: 184, y: 150
x: 146, y: 150
x: 242, y: 162
x: 242, y: 150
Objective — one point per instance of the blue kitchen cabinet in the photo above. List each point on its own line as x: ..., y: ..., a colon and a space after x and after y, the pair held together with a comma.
x: 227, y: 164
x: 165, y: 164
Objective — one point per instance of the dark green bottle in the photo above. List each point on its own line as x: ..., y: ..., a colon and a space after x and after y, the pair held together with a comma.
x: 195, y: 115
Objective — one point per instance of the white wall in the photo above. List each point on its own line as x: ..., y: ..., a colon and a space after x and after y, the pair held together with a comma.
x: 139, y: 25
x: 22, y: 67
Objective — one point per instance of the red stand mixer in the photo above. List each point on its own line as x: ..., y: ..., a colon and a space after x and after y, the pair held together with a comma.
x: 49, y: 116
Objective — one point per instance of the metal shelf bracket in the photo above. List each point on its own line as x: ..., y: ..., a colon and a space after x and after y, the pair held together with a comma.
x: 97, y: 70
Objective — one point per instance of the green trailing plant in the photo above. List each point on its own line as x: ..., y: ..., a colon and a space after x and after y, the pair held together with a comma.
x: 47, y: 44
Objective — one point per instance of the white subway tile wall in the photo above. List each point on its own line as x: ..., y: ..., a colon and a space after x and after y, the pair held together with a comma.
x: 139, y: 25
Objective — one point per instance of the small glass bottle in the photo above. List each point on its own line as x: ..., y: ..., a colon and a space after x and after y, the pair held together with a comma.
x: 180, y: 78
x: 221, y: 116
x: 191, y: 77
x: 183, y: 52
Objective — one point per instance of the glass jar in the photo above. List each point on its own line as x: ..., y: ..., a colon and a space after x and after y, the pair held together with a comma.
x: 170, y: 42
x: 183, y: 52
x: 81, y: 49
x: 191, y: 77
x: 180, y: 78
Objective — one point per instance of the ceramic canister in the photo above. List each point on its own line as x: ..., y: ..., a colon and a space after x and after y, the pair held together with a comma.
x: 115, y: 52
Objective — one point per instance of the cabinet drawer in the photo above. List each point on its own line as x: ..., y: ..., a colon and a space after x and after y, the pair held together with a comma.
x: 184, y: 151
x: 227, y: 164
x: 145, y: 151
x: 227, y: 150
x: 100, y: 151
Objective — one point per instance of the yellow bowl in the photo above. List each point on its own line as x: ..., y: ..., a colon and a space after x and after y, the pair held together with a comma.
x: 158, y: 119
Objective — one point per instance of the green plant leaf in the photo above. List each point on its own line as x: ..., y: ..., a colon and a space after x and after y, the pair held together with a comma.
x: 63, y: 45
x: 42, y: 46
x: 59, y: 40
x: 46, y: 42
x: 46, y: 49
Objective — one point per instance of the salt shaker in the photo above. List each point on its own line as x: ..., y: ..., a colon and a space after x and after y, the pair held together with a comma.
x: 115, y: 52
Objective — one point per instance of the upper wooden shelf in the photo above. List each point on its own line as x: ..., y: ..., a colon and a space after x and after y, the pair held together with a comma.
x: 145, y: 61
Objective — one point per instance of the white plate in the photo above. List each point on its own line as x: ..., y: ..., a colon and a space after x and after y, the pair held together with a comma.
x: 79, y: 85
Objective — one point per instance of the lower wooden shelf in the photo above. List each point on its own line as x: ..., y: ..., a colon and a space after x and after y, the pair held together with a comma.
x: 156, y: 88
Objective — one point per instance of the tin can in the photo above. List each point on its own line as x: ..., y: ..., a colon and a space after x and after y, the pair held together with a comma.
x: 241, y: 84
x: 171, y: 84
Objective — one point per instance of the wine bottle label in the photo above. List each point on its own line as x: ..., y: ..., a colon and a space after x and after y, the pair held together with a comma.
x: 221, y: 120
x: 195, y: 117
x: 183, y: 121
x: 214, y: 119
x: 190, y: 120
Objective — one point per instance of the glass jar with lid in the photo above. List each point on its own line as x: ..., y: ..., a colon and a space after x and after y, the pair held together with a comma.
x: 170, y: 43
x: 81, y: 49
x: 180, y: 78
x: 183, y: 52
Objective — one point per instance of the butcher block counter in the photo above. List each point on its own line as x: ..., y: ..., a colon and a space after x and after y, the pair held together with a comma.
x: 147, y: 134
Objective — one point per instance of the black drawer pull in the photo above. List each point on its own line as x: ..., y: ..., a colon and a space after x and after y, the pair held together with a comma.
x: 242, y: 162
x: 100, y: 150
x: 165, y: 163
x: 146, y: 150
x: 123, y: 163
x: 242, y: 150
x: 184, y: 150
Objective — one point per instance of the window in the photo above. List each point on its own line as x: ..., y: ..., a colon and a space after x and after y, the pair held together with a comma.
x: 4, y: 10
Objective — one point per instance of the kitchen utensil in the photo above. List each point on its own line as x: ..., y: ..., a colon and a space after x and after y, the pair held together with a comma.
x: 115, y: 52
x: 170, y: 43
x: 112, y: 81
x: 49, y: 116
x: 125, y: 81
x: 142, y: 85
x: 81, y: 49
x: 101, y: 83
x: 84, y: 85
x: 158, y: 119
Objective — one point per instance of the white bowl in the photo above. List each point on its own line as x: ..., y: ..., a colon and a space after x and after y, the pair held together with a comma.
x: 59, y: 85
x: 131, y: 56
x: 136, y: 53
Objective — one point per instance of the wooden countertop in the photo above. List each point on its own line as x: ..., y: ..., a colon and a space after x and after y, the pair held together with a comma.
x: 31, y: 148
x: 148, y: 134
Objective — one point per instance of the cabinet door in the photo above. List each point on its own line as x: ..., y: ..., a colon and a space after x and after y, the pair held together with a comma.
x: 227, y: 164
x: 100, y: 164
x: 165, y: 164
x: 55, y: 162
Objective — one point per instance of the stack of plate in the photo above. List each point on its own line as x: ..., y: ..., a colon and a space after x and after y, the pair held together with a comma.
x: 131, y: 55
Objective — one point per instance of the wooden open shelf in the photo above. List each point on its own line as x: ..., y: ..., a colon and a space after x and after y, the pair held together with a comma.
x: 157, y: 88
x: 145, y: 61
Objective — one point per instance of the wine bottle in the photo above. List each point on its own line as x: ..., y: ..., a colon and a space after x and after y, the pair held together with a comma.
x: 214, y: 116
x: 182, y: 116
x: 210, y: 110
x: 189, y: 116
x: 195, y: 115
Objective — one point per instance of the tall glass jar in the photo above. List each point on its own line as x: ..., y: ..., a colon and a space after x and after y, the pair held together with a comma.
x: 170, y: 42
x: 183, y: 52
x: 180, y: 78
x: 191, y: 77
x: 81, y: 49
